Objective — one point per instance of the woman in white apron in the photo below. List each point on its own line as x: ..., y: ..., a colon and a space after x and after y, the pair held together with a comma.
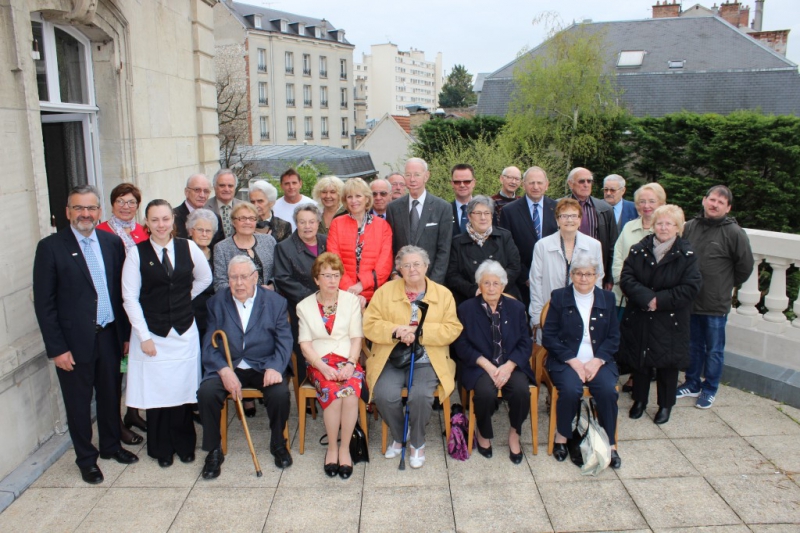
x: 160, y: 278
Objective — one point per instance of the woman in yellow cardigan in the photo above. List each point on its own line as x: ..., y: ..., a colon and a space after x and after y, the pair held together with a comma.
x: 392, y: 317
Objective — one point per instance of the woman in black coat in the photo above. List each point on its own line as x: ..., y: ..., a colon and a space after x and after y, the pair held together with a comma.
x: 660, y: 278
x: 480, y: 242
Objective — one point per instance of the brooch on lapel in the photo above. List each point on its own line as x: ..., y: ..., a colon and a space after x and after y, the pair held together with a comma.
x: 152, y: 264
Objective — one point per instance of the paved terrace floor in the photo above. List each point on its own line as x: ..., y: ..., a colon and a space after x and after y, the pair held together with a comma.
x: 732, y: 469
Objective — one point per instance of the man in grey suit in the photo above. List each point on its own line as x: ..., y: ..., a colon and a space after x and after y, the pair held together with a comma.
x: 422, y: 219
x: 223, y: 201
x: 598, y: 217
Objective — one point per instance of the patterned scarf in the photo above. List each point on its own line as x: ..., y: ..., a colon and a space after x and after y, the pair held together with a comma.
x: 360, y: 238
x: 479, y: 238
x: 119, y: 227
x: 498, y: 354
x: 661, y: 248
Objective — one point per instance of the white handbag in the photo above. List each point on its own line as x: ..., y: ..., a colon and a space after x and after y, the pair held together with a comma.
x: 594, y: 447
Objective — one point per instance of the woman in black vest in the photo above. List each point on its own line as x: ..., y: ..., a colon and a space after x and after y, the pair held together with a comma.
x: 159, y: 280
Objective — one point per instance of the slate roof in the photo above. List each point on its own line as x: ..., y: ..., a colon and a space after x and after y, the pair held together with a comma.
x: 241, y: 10
x: 724, y: 69
x: 276, y: 159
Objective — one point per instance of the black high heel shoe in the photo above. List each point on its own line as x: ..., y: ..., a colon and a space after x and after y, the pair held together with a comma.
x: 133, y: 418
x: 331, y: 469
x: 560, y: 451
x: 486, y: 452
x: 130, y: 437
x: 345, y: 471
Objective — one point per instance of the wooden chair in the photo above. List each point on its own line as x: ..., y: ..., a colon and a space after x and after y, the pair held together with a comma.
x: 443, y: 399
x: 247, y: 394
x: 544, y: 380
x: 306, y: 391
x: 534, y: 415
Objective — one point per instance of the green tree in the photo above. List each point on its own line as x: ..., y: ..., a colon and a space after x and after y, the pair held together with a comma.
x: 433, y: 135
x: 565, y: 103
x: 457, y: 89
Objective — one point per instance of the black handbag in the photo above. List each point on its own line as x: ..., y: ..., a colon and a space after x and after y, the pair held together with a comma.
x: 574, y: 442
x: 359, y: 449
x: 400, y: 357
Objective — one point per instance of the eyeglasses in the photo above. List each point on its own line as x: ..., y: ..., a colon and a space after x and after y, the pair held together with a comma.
x: 609, y: 189
x: 583, y: 275
x: 199, y: 190
x: 414, y: 175
x: 461, y: 182
x: 494, y: 284
x: 241, y: 278
x: 665, y: 224
x: 200, y: 230
x: 511, y: 178
x: 415, y: 265
x: 570, y: 216
x: 583, y: 181
x: 90, y: 208
x: 245, y: 219
x: 380, y: 193
x: 331, y: 277
x: 480, y: 214
x: 647, y: 202
x: 122, y: 203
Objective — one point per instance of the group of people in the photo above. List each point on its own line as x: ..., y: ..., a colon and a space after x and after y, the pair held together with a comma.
x: 347, y: 277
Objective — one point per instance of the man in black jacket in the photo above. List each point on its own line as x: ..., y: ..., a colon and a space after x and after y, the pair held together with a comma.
x: 726, y: 261
x: 197, y: 191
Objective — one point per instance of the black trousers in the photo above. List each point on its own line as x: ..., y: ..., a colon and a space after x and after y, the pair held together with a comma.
x: 170, y: 430
x: 570, y: 391
x: 516, y: 392
x: 212, y: 394
x: 101, y: 376
x: 666, y: 385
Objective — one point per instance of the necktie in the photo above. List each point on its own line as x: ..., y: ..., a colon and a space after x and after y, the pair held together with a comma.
x: 104, y: 313
x: 413, y: 218
x: 227, y: 225
x: 537, y: 223
x: 463, y: 219
x: 165, y: 262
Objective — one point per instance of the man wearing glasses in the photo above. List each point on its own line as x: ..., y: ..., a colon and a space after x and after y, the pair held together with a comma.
x: 77, y: 289
x: 256, y: 322
x: 598, y: 218
x: 509, y: 184
x: 613, y: 192
x: 223, y: 201
x: 197, y: 191
x: 381, y: 190
x: 462, y: 178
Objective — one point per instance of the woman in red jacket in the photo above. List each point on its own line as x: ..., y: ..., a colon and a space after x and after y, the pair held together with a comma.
x: 362, y: 241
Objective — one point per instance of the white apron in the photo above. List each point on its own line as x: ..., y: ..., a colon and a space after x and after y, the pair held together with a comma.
x: 168, y: 379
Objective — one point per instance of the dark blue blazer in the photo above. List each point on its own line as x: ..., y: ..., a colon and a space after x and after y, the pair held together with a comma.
x: 516, y: 218
x: 629, y: 213
x: 64, y: 297
x: 476, y: 338
x: 267, y: 343
x: 563, y: 328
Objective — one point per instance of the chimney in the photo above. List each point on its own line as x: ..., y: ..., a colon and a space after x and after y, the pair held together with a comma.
x: 729, y: 12
x: 759, y: 15
x: 666, y: 10
x: 775, y: 39
x: 744, y: 17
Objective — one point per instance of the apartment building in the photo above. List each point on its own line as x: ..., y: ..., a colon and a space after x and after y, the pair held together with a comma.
x: 298, y: 74
x: 393, y: 79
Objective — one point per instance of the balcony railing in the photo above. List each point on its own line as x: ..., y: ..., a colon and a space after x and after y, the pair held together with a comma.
x: 264, y: 135
x: 263, y: 100
x: 306, y: 72
x: 323, y: 73
x: 290, y: 102
x: 292, y: 135
x: 306, y: 103
x: 323, y: 104
x: 289, y: 70
x: 343, y: 76
x: 324, y: 134
x: 344, y: 105
x: 344, y: 135
x: 309, y: 135
x: 262, y: 68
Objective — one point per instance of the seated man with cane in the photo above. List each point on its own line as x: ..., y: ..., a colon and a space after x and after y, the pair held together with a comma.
x: 256, y: 323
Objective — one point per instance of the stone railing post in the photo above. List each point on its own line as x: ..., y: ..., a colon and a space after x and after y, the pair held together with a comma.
x: 776, y: 301
x: 747, y: 313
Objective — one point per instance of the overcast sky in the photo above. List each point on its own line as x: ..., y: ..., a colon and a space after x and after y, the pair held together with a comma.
x: 484, y: 35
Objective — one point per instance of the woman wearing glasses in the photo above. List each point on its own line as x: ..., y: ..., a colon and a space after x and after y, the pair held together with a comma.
x: 259, y: 247
x: 660, y: 277
x: 125, y: 200
x: 479, y: 243
x: 553, y: 256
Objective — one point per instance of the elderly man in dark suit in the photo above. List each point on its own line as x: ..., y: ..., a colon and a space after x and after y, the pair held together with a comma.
x: 224, y: 200
x: 613, y: 192
x: 529, y: 219
x: 256, y: 323
x: 197, y: 191
x: 422, y: 219
x: 77, y: 289
x: 598, y: 219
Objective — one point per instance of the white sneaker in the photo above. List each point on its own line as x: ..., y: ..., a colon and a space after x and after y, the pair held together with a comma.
x: 393, y: 451
x: 415, y: 459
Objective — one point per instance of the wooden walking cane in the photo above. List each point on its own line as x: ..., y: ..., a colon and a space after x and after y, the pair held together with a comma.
x: 239, y: 406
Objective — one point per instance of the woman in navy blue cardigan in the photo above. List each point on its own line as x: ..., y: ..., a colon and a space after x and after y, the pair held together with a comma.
x: 494, y: 350
x: 581, y: 335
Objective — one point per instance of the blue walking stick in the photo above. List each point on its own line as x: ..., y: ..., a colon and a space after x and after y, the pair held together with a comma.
x: 423, y: 309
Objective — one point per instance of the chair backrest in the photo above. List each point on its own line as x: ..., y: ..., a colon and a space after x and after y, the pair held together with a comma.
x: 539, y: 352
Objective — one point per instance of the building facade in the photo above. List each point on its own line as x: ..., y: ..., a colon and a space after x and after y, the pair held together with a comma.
x: 297, y: 75
x: 90, y: 92
x: 393, y: 79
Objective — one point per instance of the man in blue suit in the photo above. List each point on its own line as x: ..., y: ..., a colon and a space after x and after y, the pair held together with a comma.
x: 256, y: 323
x: 613, y: 191
x: 77, y: 293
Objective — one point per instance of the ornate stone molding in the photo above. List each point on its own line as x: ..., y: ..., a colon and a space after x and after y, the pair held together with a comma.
x: 82, y: 11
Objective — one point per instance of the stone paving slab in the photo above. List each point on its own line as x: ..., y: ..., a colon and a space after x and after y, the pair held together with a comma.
x: 599, y: 506
x: 761, y: 499
x: 499, y: 507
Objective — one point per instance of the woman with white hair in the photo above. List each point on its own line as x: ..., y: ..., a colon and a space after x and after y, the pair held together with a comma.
x: 263, y: 195
x: 494, y: 350
x: 328, y: 193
